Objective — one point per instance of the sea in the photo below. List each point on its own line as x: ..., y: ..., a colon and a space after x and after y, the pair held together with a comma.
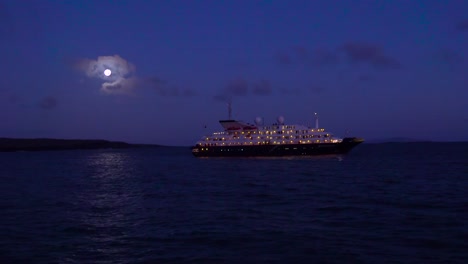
x: 380, y: 203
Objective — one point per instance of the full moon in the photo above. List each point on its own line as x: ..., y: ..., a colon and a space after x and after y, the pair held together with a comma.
x: 107, y: 72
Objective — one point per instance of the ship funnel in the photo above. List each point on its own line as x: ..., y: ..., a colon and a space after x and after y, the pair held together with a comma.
x: 316, y: 121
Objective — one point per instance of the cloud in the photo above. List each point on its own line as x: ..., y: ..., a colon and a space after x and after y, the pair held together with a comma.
x: 371, y: 54
x: 123, y: 80
x: 222, y: 98
x: 462, y: 25
x: 316, y: 57
x: 241, y: 87
x: 164, y: 88
x: 234, y: 87
x: 120, y: 81
x: 48, y: 103
x: 262, y: 87
x: 175, y: 91
x: 237, y: 87
x: 292, y: 56
x: 300, y: 55
x: 119, y: 86
x: 356, y: 52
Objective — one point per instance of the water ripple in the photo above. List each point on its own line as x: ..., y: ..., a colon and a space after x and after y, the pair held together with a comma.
x: 380, y: 204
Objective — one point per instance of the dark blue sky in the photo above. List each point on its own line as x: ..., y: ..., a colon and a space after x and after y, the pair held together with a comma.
x: 376, y: 68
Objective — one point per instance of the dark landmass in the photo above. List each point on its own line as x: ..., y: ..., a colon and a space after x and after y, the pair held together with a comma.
x: 396, y: 140
x: 41, y: 144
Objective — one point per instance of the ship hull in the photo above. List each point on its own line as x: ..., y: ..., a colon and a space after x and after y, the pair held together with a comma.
x: 277, y: 150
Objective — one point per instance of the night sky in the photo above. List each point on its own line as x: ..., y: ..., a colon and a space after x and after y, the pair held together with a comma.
x: 378, y: 69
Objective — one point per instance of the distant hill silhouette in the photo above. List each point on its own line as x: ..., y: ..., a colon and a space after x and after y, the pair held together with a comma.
x: 396, y: 140
x: 40, y: 144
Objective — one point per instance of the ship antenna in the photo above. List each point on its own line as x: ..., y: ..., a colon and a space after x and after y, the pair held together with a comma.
x: 316, y: 121
x: 229, y: 110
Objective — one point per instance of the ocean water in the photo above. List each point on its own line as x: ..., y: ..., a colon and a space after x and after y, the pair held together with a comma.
x: 381, y: 203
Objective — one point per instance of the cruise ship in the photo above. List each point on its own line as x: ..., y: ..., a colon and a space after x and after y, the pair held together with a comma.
x: 242, y: 139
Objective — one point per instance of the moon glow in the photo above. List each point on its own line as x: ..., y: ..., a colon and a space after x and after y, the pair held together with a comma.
x: 107, y: 72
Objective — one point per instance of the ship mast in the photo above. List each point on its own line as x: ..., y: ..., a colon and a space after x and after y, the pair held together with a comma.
x: 316, y: 121
x: 229, y: 110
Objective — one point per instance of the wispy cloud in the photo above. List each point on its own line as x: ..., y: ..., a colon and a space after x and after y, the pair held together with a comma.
x: 262, y: 87
x: 48, y: 103
x: 359, y: 52
x: 116, y: 73
x: 234, y: 87
x: 316, y: 57
x: 241, y: 87
x: 175, y: 91
x: 165, y: 88
x: 294, y: 55
x: 119, y: 77
x: 237, y: 87
x: 221, y: 98
x: 119, y: 86
x: 355, y: 52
